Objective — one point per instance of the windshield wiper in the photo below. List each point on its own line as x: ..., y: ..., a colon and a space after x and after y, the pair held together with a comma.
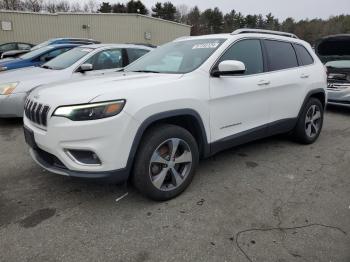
x: 46, y: 67
x: 146, y: 71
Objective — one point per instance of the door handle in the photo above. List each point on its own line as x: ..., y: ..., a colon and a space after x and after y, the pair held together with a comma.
x: 263, y: 83
x: 304, y: 76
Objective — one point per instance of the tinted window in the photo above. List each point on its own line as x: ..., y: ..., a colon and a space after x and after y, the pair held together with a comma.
x: 36, y: 52
x: 249, y: 52
x: 8, y: 47
x: 50, y: 55
x: 280, y: 55
x: 303, y: 55
x: 107, y: 59
x: 22, y: 46
x: 135, y: 54
x: 177, y: 57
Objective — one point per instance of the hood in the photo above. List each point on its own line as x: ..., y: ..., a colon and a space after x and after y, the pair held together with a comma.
x: 10, y: 61
x: 29, y: 77
x: 84, y: 91
x: 334, y: 47
x: 6, y: 60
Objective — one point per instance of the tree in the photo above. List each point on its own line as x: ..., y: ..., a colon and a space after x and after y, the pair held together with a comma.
x: 212, y: 21
x: 136, y: 7
x: 166, y: 11
x: 75, y: 7
x: 105, y: 7
x: 181, y: 13
x: 193, y: 19
x: 119, y: 8
x: 90, y: 6
x: 33, y: 5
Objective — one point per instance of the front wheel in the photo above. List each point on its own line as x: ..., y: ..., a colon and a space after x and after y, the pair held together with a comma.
x: 310, y: 122
x: 165, y: 162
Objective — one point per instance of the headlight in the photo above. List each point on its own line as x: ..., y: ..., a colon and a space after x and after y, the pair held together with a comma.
x: 8, y: 88
x: 90, y: 111
x: 3, y: 68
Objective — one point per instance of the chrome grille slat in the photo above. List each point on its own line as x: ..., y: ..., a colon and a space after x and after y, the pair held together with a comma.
x: 36, y: 112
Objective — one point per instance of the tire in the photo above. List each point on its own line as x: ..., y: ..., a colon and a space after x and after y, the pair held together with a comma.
x: 310, y: 122
x: 161, y: 173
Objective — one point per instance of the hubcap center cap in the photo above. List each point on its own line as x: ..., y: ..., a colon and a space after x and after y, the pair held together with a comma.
x: 171, y: 164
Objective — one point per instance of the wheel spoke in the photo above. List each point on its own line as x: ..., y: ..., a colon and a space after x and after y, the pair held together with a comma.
x: 177, y: 178
x: 156, y: 158
x: 159, y: 179
x: 174, y: 145
x: 315, y: 128
x: 186, y: 157
x: 308, y: 130
x: 316, y: 116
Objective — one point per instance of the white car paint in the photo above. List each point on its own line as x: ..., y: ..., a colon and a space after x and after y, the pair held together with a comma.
x: 227, y: 106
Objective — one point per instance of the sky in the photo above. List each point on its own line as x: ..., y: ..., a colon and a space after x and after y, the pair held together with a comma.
x: 298, y: 9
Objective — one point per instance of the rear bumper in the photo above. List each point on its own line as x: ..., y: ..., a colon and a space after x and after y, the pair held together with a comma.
x: 12, y: 105
x: 54, y: 165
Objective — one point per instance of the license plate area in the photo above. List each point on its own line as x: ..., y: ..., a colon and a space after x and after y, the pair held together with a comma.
x: 29, y: 137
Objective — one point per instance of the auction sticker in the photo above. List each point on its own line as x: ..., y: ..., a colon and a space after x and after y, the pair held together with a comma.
x: 206, y: 45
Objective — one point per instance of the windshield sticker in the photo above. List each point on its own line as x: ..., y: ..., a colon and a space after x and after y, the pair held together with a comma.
x: 206, y: 45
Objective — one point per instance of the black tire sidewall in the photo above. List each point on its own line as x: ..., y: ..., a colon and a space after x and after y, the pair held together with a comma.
x: 300, y: 132
x: 151, y: 140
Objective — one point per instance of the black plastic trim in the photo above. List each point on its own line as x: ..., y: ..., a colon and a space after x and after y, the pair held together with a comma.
x: 309, y: 94
x: 274, y: 128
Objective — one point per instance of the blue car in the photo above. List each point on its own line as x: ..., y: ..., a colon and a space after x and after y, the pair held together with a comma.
x: 36, y: 57
x: 56, y: 41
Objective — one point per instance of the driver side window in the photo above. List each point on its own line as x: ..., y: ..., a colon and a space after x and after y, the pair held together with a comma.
x: 107, y: 59
x: 249, y: 52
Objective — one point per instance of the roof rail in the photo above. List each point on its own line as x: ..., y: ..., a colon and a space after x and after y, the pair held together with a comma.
x: 262, y: 31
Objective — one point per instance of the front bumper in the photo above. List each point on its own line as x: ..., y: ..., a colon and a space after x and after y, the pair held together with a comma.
x: 339, y: 97
x: 12, y: 105
x: 110, y: 139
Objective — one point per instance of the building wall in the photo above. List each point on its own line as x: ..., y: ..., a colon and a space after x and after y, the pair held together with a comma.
x: 107, y: 28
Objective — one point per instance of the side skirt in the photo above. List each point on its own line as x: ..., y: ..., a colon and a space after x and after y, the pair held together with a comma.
x: 274, y: 128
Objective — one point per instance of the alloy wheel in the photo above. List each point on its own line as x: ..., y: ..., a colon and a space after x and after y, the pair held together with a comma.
x: 170, y: 164
x: 313, y: 121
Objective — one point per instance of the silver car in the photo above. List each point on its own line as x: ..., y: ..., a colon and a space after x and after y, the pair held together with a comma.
x: 83, y: 61
x: 339, y: 82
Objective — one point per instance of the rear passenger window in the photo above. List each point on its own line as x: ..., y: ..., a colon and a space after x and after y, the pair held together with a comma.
x: 135, y: 53
x: 280, y: 55
x: 249, y: 52
x: 303, y: 55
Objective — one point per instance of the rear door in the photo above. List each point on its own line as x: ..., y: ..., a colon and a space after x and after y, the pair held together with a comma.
x: 286, y: 81
x: 135, y: 53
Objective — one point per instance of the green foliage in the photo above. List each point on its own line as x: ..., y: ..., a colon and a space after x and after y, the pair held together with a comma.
x: 136, y: 7
x: 165, y: 11
x: 105, y: 8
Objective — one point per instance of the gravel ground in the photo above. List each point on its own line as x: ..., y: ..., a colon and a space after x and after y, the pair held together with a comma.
x: 271, y: 200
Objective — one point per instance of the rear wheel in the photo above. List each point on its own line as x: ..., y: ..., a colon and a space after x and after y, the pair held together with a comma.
x: 165, y: 162
x: 310, y: 122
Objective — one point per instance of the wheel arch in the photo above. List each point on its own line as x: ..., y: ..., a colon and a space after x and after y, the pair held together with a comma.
x: 318, y: 93
x: 186, y: 118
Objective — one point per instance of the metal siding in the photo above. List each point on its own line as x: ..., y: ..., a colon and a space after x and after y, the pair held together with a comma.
x: 107, y: 28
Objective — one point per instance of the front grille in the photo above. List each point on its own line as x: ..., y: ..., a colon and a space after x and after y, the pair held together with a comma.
x: 338, y: 85
x: 36, y: 112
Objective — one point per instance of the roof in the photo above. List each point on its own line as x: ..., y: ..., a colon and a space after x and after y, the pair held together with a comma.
x: 96, y: 46
x: 100, y: 14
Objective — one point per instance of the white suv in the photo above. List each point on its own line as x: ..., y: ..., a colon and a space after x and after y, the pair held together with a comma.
x: 181, y: 102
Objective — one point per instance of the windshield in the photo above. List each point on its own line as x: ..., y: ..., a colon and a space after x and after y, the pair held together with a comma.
x: 46, y: 43
x: 33, y: 54
x: 339, y: 64
x: 176, y: 57
x: 67, y: 59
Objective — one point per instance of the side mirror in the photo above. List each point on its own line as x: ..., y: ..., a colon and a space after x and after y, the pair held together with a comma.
x: 85, y: 67
x: 229, y: 67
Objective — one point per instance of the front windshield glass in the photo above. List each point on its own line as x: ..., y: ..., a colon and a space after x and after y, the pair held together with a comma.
x: 176, y: 57
x: 339, y: 64
x: 68, y: 58
x: 33, y: 54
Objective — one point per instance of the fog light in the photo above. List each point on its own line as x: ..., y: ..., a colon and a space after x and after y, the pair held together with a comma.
x: 83, y: 157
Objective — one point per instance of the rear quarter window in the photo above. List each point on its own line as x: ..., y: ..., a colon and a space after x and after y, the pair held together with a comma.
x: 280, y: 55
x: 303, y: 55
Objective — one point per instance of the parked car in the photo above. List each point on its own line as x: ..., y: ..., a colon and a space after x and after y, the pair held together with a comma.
x: 78, y: 63
x: 13, y: 53
x: 187, y: 99
x: 14, y: 46
x: 55, y: 41
x: 335, y: 52
x: 34, y: 58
